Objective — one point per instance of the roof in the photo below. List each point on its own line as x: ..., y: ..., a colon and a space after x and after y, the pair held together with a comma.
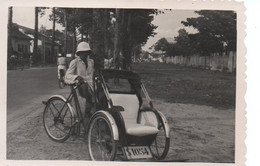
x: 123, y: 74
x: 30, y: 31
x: 24, y: 29
x: 18, y: 34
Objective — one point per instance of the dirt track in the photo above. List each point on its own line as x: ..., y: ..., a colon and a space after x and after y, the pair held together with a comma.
x: 198, y: 133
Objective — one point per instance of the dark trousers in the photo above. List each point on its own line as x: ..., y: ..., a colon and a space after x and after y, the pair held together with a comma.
x: 86, y: 92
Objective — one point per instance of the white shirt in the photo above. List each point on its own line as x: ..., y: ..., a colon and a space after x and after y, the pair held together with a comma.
x: 78, y: 68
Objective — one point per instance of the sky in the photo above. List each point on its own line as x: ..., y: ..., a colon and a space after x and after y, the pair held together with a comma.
x: 25, y: 16
x: 168, y: 23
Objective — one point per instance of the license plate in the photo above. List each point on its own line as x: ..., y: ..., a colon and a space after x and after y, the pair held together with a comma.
x: 137, y: 152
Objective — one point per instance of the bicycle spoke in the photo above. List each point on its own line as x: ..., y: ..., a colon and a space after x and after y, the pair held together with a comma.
x: 60, y: 129
x: 55, y: 108
x: 65, y: 113
x: 156, y: 147
x: 52, y: 111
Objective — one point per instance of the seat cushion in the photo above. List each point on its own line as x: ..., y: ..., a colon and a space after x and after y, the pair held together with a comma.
x: 140, y: 130
x: 130, y: 103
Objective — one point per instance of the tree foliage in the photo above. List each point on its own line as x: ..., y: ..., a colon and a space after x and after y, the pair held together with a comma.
x: 184, y: 45
x: 94, y: 25
x: 216, y: 30
x: 136, y: 29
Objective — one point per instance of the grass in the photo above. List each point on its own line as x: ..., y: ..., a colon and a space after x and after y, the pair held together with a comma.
x: 178, y: 84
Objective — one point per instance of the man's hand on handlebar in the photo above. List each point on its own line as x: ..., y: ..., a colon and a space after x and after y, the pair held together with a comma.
x: 80, y: 80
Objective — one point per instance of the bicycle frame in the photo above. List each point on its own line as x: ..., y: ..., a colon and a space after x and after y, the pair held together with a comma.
x: 73, y: 96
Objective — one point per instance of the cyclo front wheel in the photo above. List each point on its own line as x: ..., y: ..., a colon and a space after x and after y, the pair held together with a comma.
x: 100, y: 136
x: 58, y: 119
x: 161, y: 144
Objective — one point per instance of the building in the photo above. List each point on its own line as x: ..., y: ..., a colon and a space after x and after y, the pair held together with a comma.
x: 157, y: 56
x: 21, y: 42
x: 44, y: 44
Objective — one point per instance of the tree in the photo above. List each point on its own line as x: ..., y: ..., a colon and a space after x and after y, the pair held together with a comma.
x: 35, y: 41
x: 162, y: 44
x: 136, y: 28
x: 132, y: 29
x: 216, y: 29
x: 41, y: 11
x: 10, y: 24
x: 183, y: 44
x: 97, y: 37
x: 74, y: 19
x: 53, y: 33
x: 118, y: 37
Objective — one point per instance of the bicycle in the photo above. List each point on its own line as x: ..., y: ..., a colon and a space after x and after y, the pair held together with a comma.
x: 119, y: 124
x: 60, y: 119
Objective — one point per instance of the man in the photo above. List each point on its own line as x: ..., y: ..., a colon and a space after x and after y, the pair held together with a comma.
x: 62, y: 65
x: 81, y: 69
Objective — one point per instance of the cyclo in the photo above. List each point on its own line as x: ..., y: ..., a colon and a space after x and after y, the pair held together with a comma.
x: 120, y: 128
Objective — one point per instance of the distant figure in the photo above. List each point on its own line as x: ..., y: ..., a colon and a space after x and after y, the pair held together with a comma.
x: 14, y: 60
x: 62, y: 65
x: 112, y: 19
x: 108, y: 63
x: 21, y: 61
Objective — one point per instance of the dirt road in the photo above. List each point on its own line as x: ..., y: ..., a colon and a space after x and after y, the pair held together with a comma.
x: 198, y: 134
x: 198, y: 104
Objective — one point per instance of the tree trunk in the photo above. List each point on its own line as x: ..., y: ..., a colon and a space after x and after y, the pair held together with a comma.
x: 97, y: 37
x: 35, y: 43
x: 128, y: 43
x: 117, y: 47
x: 106, y: 43
x: 54, y: 57
x: 66, y: 32
x: 74, y: 41
x: 10, y: 27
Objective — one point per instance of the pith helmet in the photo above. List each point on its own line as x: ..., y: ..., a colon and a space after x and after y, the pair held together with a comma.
x: 83, y: 46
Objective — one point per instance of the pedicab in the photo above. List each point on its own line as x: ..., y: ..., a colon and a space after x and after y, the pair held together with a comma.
x: 121, y: 128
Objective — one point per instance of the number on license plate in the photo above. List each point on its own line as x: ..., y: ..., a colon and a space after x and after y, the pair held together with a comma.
x: 137, y: 152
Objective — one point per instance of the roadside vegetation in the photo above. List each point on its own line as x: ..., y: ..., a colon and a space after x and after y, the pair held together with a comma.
x: 178, y: 84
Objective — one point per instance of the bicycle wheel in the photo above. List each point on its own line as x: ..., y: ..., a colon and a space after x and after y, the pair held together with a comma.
x: 101, y: 143
x: 58, y: 119
x: 161, y: 144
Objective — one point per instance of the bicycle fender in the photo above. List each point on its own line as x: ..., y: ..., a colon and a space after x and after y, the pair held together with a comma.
x: 112, y: 122
x: 63, y: 98
x: 166, y: 124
